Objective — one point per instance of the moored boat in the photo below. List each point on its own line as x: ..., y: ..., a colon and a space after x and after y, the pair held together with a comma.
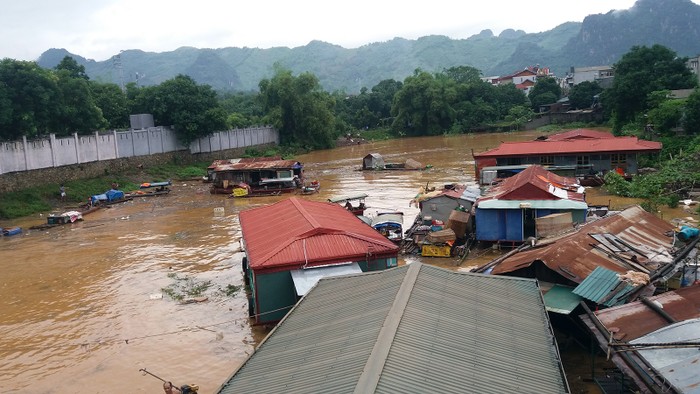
x: 354, y: 203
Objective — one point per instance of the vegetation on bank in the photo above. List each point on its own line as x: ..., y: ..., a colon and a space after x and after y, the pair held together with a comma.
x: 46, y: 197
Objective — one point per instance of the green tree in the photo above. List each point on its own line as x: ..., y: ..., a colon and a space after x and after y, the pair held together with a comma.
x: 463, y: 74
x: 424, y: 105
x: 667, y: 115
x: 545, y: 91
x: 639, y: 72
x: 32, y: 93
x: 300, y: 110
x: 77, y: 111
x: 113, y: 103
x: 691, y: 117
x: 581, y: 96
x: 71, y: 66
x: 193, y: 110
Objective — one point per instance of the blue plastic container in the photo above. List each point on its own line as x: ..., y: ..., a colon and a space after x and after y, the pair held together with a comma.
x: 687, y: 233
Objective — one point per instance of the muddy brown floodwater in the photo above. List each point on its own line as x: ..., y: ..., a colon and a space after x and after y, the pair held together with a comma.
x: 81, y: 306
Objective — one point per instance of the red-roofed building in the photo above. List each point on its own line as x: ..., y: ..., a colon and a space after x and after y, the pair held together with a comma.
x: 509, y: 211
x: 579, y: 150
x: 291, y: 244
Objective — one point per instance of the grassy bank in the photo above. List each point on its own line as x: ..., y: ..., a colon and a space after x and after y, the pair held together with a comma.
x: 46, y: 197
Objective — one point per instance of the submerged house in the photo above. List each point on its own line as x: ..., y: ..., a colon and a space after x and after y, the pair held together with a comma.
x: 607, y: 262
x: 653, y: 342
x: 289, y: 245
x: 258, y: 176
x: 414, y: 328
x: 375, y: 162
x: 509, y: 211
x: 579, y: 152
x: 439, y: 204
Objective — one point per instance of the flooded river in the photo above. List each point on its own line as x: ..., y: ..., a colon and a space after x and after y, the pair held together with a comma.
x: 82, y: 305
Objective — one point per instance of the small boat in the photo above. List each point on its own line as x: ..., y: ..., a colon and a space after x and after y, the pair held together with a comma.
x: 160, y: 186
x: 311, y: 188
x: 390, y: 225
x: 11, y: 231
x: 353, y: 203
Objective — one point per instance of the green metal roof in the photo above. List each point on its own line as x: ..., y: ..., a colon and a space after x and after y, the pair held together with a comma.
x: 604, y: 287
x: 414, y: 328
x: 560, y: 299
x: 353, y: 197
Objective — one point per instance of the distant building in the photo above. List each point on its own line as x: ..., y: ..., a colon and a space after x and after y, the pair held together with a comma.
x: 603, y: 75
x: 580, y: 149
x: 694, y: 66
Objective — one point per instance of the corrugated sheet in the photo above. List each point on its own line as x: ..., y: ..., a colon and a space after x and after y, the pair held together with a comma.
x: 604, y: 287
x: 678, y: 366
x: 574, y: 257
x: 428, y: 330
x: 308, y: 232
x: 248, y: 164
x: 635, y: 319
x: 561, y: 299
x: 572, y: 146
x: 534, y: 183
x: 579, y: 134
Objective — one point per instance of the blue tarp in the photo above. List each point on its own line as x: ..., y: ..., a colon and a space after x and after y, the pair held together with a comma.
x: 109, y: 195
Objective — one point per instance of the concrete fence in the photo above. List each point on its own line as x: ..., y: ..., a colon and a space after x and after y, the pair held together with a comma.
x: 25, y: 155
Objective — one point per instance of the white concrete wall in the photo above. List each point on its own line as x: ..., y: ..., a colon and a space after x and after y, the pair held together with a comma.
x: 48, y: 152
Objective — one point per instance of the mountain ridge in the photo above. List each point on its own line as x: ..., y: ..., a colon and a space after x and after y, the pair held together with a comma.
x: 601, y: 39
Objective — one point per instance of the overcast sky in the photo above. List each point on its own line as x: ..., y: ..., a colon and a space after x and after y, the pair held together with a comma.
x: 99, y: 29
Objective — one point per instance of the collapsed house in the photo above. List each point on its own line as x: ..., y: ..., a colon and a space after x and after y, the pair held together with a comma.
x: 654, y: 341
x: 607, y: 262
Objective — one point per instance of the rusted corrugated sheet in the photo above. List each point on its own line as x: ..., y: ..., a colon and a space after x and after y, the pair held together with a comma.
x: 634, y: 320
x: 534, y: 183
x: 579, y: 134
x: 574, y: 256
x: 572, y: 146
x: 295, y: 232
x: 252, y: 164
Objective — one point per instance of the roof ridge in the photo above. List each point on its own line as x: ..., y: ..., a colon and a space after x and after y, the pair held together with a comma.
x: 372, y: 371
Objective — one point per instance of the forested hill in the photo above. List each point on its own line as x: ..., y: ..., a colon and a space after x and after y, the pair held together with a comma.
x: 599, y: 40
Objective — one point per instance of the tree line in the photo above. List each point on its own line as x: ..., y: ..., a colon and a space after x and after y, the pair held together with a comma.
x: 35, y: 102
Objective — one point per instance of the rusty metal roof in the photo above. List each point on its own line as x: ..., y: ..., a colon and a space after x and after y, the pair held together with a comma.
x: 411, y: 329
x: 572, y: 146
x: 295, y: 232
x: 535, y: 183
x: 636, y: 319
x: 579, y: 134
x: 257, y: 163
x: 576, y: 255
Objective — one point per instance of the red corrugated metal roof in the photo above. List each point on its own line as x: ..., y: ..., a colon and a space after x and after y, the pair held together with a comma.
x: 572, y: 146
x: 574, y: 256
x: 294, y: 232
x: 253, y: 164
x: 579, y: 134
x: 533, y: 183
x: 636, y: 319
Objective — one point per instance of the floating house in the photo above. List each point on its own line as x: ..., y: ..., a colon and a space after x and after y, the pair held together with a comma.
x: 607, y: 262
x: 415, y: 328
x: 375, y: 162
x: 509, y: 211
x: 439, y: 204
x: 255, y: 176
x: 580, y: 152
x: 291, y: 244
x: 653, y: 342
